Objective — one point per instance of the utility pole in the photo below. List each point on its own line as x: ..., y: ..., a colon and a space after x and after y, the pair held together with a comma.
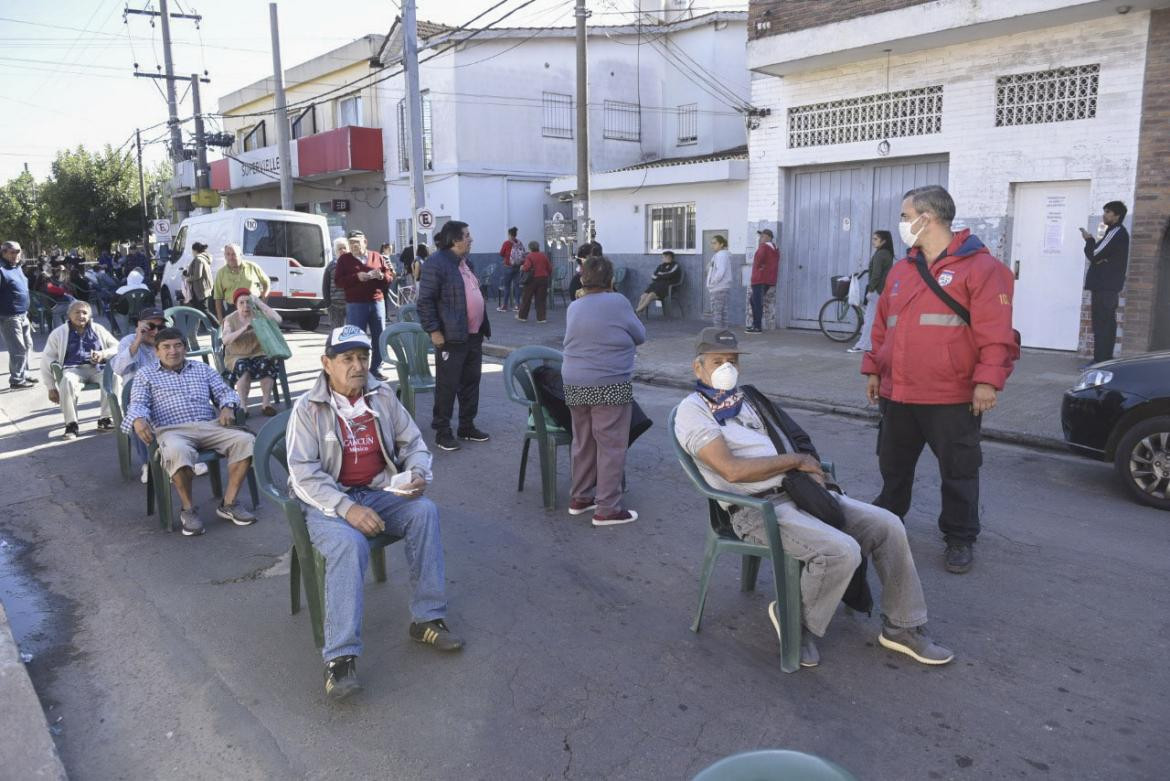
x: 142, y: 190
x: 413, y: 115
x: 581, y: 210
x: 202, y: 174
x: 282, y: 140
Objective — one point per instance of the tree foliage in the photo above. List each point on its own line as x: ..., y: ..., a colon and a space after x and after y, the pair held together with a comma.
x: 23, y: 216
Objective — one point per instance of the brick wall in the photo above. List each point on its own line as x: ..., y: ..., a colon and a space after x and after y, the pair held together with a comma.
x: 984, y: 160
x: 773, y: 17
x: 1151, y: 205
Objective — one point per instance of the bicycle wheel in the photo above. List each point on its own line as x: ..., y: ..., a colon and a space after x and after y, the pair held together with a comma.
x: 839, y: 321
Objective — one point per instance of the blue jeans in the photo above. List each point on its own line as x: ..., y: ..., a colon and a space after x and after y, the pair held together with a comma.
x: 347, y: 554
x: 508, y: 275
x: 369, y: 316
x: 17, y: 332
x: 758, y: 305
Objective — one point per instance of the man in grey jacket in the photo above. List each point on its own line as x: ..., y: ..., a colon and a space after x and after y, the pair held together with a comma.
x: 358, y: 464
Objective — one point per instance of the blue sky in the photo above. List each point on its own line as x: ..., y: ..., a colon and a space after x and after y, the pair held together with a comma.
x: 66, y: 66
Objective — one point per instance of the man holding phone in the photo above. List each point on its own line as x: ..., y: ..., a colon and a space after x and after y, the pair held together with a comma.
x: 1108, y: 257
x: 359, y: 466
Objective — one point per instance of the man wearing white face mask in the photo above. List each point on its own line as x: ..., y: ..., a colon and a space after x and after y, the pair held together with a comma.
x: 358, y: 464
x: 943, y: 348
x: 744, y: 444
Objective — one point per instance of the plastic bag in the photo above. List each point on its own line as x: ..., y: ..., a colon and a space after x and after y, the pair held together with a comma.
x: 270, y: 338
x: 856, y: 295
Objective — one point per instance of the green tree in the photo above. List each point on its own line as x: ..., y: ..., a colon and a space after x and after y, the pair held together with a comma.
x: 23, y: 216
x: 93, y: 196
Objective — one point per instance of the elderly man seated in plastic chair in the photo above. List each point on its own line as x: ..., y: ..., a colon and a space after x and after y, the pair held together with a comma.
x: 359, y: 465
x: 171, y: 402
x: 79, y: 348
x: 743, y: 443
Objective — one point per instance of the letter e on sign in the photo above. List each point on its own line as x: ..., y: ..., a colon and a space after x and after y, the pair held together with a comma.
x: 425, y: 218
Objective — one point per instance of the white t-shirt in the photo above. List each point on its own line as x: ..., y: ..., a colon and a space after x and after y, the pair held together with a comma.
x: 745, y: 436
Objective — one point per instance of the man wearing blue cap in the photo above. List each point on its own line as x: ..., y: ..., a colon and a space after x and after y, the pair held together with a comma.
x: 359, y: 466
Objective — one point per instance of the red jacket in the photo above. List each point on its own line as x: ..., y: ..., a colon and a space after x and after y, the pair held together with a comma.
x: 766, y: 264
x: 922, y: 351
x: 539, y: 263
x: 359, y: 291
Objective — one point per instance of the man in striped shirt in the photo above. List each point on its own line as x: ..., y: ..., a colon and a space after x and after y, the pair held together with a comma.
x: 172, y: 402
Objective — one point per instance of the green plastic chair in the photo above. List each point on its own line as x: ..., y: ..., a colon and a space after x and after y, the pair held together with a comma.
x: 559, y: 285
x: 117, y: 414
x: 520, y: 385
x: 188, y: 320
x: 672, y: 297
x: 279, y: 388
x: 58, y: 371
x: 408, y: 313
x: 307, y: 565
x: 161, y: 482
x: 773, y: 764
x: 619, y: 276
x: 136, y: 300
x: 40, y: 310
x: 411, y: 345
x: 721, y: 539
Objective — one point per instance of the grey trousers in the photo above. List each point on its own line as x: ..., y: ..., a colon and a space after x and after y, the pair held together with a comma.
x: 831, y: 556
x: 18, y: 340
x: 719, y: 307
x: 601, y: 434
x: 72, y: 378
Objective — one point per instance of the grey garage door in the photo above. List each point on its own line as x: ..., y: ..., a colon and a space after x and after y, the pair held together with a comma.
x: 831, y: 214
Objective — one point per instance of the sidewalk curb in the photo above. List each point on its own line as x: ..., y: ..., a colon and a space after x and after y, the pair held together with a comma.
x: 25, y: 743
x: 812, y: 405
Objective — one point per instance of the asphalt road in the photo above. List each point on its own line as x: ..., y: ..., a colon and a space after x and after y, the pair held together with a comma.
x: 177, y: 657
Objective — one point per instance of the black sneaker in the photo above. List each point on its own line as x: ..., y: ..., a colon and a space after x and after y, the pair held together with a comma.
x: 446, y: 440
x: 960, y: 556
x: 105, y: 424
x: 473, y: 434
x: 437, y: 634
x: 341, y: 677
x: 70, y: 431
x: 24, y: 384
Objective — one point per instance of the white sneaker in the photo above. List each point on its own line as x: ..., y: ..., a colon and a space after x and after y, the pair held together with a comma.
x: 145, y: 474
x: 200, y: 468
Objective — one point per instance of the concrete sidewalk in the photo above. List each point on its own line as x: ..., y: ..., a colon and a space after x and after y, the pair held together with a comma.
x: 25, y: 744
x: 806, y: 370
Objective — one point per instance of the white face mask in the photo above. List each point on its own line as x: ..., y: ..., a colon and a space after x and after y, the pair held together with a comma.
x: 725, y: 377
x: 909, y: 236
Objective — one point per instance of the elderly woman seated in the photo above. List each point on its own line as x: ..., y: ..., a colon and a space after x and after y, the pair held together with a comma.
x: 244, y: 358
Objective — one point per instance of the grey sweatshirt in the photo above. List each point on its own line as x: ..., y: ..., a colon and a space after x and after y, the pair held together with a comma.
x: 601, y: 332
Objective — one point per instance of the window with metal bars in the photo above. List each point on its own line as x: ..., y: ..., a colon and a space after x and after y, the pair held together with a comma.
x: 623, y: 121
x: 912, y: 112
x: 404, y: 143
x: 1058, y: 95
x: 558, y: 115
x: 304, y: 124
x: 672, y: 226
x: 688, y: 124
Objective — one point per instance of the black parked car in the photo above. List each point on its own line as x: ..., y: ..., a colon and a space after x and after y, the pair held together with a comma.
x: 1120, y: 412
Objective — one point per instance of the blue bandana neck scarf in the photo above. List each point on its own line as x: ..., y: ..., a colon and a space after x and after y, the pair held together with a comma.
x: 724, y: 404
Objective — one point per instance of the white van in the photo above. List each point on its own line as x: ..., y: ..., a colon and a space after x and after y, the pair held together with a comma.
x: 292, y: 248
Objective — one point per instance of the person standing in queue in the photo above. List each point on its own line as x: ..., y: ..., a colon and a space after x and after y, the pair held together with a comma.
x: 943, y: 348
x: 365, y: 277
x: 1106, y: 277
x: 451, y: 309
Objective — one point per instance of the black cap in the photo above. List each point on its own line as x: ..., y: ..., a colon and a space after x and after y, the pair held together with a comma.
x: 716, y: 340
x: 356, y: 234
x: 152, y: 313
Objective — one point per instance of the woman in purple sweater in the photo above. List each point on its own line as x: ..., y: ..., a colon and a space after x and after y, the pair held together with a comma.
x: 601, y: 332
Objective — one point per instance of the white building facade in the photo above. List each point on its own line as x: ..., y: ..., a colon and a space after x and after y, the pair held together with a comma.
x: 1028, y: 112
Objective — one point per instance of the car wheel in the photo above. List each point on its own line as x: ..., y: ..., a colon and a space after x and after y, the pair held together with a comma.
x: 310, y: 322
x: 1143, y: 461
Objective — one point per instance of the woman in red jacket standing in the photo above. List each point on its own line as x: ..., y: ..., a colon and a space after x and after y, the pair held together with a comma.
x: 537, y: 286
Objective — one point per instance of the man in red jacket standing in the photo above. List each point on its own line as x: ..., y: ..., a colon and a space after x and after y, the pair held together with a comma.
x: 765, y: 267
x: 365, y: 276
x: 936, y: 367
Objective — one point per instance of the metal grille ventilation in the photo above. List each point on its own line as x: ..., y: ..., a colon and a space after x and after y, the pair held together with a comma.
x: 1039, y: 97
x: 912, y: 112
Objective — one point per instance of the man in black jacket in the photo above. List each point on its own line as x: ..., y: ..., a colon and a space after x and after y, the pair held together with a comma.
x: 451, y: 309
x: 1108, y: 258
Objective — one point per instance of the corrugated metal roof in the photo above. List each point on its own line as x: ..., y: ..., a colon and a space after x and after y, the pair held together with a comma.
x: 735, y: 153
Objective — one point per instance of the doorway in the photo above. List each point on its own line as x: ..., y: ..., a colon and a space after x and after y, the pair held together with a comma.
x: 1048, y: 261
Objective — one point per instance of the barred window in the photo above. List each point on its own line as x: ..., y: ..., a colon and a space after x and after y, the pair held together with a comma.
x: 403, y: 141
x: 688, y: 123
x: 912, y: 112
x: 623, y: 121
x: 672, y: 226
x: 558, y: 115
x: 1038, y: 97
